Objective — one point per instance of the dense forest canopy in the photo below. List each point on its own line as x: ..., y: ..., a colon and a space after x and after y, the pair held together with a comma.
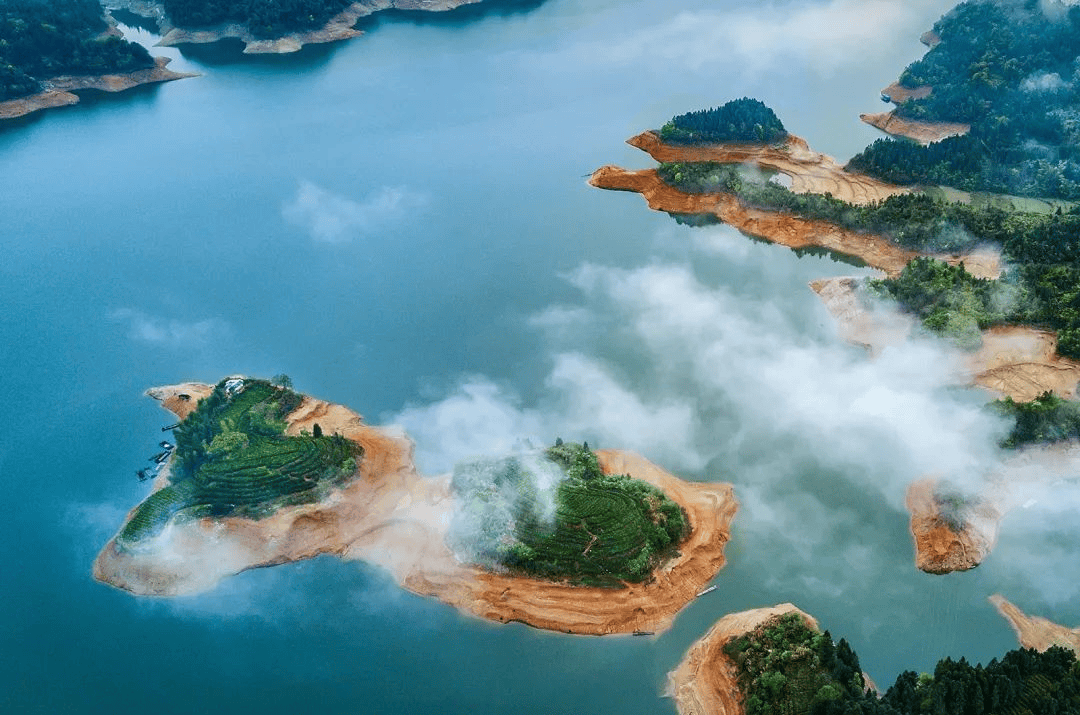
x: 786, y: 667
x: 265, y: 18
x: 1011, y: 70
x: 40, y: 39
x: 740, y: 120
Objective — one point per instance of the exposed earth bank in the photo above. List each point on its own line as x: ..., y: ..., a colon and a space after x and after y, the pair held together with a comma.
x: 338, y: 27
x: 942, y: 547
x: 922, y: 132
x: 706, y: 681
x: 1034, y: 631
x: 60, y: 91
x: 391, y: 516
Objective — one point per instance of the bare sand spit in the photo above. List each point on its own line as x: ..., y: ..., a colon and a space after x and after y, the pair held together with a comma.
x: 393, y: 517
x: 1034, y: 631
x: 810, y: 171
x: 923, y: 132
x: 338, y: 27
x: 706, y: 681
x: 60, y: 91
x: 898, y: 94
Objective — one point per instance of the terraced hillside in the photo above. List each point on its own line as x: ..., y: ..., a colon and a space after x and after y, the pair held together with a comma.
x: 604, y: 530
x: 234, y: 458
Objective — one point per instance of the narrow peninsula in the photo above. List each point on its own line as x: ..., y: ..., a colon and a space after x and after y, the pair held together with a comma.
x: 576, y: 541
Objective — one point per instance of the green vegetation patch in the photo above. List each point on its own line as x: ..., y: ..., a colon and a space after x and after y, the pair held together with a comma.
x: 40, y: 39
x: 950, y: 301
x: 1009, y: 70
x: 265, y: 18
x: 556, y: 516
x: 740, y: 120
x: 786, y: 668
x: 234, y: 458
x: 1047, y: 418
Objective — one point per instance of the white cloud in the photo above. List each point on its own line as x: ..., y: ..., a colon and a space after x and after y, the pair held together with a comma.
x: 332, y: 218
x: 822, y: 36
x: 168, y: 332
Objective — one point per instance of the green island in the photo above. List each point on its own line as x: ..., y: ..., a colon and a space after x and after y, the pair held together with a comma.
x: 785, y: 667
x: 1008, y: 70
x: 41, y: 39
x: 1046, y: 419
x: 581, y: 527
x: 740, y: 120
x: 232, y: 457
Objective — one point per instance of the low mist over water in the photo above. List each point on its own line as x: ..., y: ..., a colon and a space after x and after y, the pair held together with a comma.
x: 401, y: 223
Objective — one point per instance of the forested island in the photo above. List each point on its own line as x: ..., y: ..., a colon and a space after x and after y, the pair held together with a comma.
x: 566, y: 538
x: 1008, y: 69
x: 740, y: 120
x: 585, y: 527
x: 42, y: 39
x: 784, y: 664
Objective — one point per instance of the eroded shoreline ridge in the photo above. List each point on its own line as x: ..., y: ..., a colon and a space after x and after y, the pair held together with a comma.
x: 383, y: 512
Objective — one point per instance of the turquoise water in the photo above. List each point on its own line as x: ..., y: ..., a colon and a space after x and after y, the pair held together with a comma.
x: 401, y: 223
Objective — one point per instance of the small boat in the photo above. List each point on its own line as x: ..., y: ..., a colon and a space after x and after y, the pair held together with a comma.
x: 644, y: 633
x: 167, y: 446
x: 143, y: 476
x: 886, y: 98
x: 710, y: 589
x: 169, y: 427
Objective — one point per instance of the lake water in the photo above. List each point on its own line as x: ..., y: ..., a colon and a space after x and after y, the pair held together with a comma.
x: 402, y: 224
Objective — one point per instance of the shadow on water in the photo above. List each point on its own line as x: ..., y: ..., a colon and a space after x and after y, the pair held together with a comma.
x: 89, y: 99
x: 231, y: 52
x: 702, y: 220
x: 458, y: 16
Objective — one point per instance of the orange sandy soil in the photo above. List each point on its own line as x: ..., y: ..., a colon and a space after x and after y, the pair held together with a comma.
x: 810, y: 171
x: 60, y: 91
x: 777, y: 227
x: 938, y: 548
x: 706, y: 681
x: 393, y: 517
x: 922, y: 132
x: 1034, y: 631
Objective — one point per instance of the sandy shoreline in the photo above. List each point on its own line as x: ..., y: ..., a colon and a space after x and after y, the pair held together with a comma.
x: 395, y: 518
x: 706, y: 681
x: 809, y: 171
x: 339, y: 27
x: 940, y: 549
x: 923, y: 132
x: 1034, y: 631
x: 60, y: 91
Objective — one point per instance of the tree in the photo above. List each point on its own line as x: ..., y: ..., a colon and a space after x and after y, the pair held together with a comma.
x: 281, y: 380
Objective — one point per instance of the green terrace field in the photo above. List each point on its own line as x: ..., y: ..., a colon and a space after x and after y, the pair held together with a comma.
x: 234, y: 458
x: 605, y: 530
